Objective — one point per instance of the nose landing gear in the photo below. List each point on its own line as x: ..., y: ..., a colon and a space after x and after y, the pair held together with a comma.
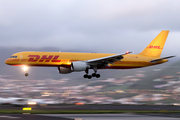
x: 25, y: 68
x: 26, y: 74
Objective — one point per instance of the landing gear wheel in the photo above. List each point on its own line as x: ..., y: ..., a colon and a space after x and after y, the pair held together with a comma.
x: 85, y: 76
x: 26, y: 74
x: 94, y: 75
x: 98, y: 75
x: 89, y: 76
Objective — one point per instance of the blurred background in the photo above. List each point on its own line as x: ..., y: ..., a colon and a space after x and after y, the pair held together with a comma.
x: 103, y: 26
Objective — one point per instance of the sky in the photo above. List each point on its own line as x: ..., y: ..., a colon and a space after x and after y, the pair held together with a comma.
x: 106, y: 26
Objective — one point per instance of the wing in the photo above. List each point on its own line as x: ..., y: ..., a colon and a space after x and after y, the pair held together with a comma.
x: 156, y: 60
x: 104, y: 61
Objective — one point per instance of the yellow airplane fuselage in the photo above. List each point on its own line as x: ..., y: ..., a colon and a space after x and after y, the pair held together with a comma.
x: 67, y: 62
x: 55, y: 59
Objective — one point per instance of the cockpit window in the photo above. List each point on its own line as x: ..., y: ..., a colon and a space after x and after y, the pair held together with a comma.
x: 13, y: 57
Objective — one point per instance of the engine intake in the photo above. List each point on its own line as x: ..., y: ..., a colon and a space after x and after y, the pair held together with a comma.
x: 79, y: 66
x: 75, y: 67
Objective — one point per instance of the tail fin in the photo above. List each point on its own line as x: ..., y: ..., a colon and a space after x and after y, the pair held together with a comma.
x: 155, y: 48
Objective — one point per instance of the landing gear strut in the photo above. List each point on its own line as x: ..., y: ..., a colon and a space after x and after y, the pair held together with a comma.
x: 86, y: 75
x: 93, y: 75
x: 95, y: 71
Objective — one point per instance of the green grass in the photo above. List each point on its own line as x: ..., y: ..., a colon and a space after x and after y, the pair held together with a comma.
x: 80, y: 111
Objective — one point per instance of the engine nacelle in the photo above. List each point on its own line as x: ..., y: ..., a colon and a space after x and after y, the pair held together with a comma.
x: 79, y: 66
x: 64, y: 70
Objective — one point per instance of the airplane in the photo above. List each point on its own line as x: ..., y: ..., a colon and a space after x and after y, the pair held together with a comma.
x: 13, y: 101
x: 68, y: 62
x: 24, y: 101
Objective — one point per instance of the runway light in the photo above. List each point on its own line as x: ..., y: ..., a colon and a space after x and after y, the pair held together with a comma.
x: 79, y: 103
x: 25, y: 68
x: 31, y: 103
x: 27, y: 108
x: 45, y: 95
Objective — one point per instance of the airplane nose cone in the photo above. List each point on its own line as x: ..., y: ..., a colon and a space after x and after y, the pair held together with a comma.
x: 7, y: 61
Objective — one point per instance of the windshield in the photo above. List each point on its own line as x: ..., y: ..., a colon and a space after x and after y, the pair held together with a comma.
x: 13, y: 57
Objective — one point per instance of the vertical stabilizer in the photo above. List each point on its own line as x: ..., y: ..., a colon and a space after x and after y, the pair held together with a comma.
x: 154, y: 49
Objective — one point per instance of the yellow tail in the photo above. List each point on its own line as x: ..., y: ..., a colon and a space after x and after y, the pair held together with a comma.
x: 155, y: 48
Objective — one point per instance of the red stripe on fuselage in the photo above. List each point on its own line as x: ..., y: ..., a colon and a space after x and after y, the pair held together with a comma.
x: 45, y: 58
x: 55, y: 59
x: 33, y: 58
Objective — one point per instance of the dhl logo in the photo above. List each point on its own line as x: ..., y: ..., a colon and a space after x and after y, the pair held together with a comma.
x: 154, y: 47
x: 44, y: 58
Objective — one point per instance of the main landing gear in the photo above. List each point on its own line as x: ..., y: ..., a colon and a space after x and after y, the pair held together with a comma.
x: 93, y: 75
x: 90, y: 76
x: 25, y: 68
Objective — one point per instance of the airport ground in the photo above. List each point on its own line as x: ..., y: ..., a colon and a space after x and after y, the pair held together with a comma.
x: 96, y: 107
x: 83, y: 117
x: 165, y: 112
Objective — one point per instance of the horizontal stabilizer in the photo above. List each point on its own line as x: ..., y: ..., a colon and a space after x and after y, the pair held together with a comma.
x: 156, y: 60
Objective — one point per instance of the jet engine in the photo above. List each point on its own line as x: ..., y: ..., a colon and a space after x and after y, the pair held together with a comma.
x: 64, y: 70
x: 75, y: 67
x: 79, y: 66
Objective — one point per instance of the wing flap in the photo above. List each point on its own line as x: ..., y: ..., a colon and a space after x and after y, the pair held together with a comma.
x: 107, y: 60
